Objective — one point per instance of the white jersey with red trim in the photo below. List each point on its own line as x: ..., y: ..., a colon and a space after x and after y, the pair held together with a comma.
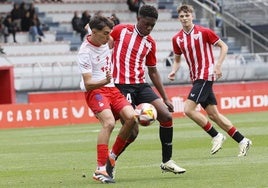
x: 132, y: 53
x: 196, y: 46
x: 95, y: 60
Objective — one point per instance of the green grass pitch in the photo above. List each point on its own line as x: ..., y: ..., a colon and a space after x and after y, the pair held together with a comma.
x: 65, y: 156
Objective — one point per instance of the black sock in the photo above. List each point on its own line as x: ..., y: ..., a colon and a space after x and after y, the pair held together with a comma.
x: 166, y: 136
x: 210, y: 129
x: 212, y: 132
x: 238, y: 137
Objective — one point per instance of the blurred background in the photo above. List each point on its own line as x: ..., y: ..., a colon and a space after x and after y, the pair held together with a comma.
x: 39, y: 39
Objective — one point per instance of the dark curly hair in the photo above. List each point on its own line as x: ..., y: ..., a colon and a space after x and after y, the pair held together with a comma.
x: 148, y: 11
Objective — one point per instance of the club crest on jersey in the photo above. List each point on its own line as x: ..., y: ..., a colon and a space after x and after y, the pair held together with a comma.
x: 148, y: 44
x: 129, y: 32
x: 196, y: 36
x: 179, y: 40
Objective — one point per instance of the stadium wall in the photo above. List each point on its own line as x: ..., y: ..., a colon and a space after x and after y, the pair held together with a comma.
x: 69, y: 108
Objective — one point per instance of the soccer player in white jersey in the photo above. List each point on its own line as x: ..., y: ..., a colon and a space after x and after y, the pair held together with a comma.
x: 195, y: 43
x: 133, y: 50
x: 102, y: 97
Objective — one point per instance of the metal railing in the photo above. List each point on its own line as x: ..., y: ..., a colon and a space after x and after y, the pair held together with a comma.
x: 236, y: 67
x: 257, y: 42
x: 254, y: 37
x: 58, y: 76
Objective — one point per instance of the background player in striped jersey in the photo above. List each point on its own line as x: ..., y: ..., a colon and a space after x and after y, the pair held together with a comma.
x: 134, y: 50
x: 102, y: 97
x: 195, y: 43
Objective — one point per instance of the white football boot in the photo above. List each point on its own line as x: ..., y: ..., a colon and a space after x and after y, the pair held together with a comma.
x: 217, y: 142
x: 171, y: 166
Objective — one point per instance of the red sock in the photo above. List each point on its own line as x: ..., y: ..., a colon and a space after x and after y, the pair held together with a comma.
x: 232, y: 131
x: 207, y: 127
x: 166, y: 124
x: 210, y: 130
x: 102, y: 154
x: 118, y: 145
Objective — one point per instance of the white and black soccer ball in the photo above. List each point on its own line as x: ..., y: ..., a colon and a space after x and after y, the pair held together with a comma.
x: 147, y: 114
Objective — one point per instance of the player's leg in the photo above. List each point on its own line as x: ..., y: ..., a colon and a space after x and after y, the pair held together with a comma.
x: 227, y: 126
x: 110, y: 166
x: 129, y: 92
x: 200, y: 93
x: 191, y: 112
x: 201, y: 120
x: 107, y: 121
x: 164, y: 117
x: 121, y: 108
x: 131, y: 138
x: 128, y: 114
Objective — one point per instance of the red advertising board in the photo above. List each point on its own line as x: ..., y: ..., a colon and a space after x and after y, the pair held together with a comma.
x: 45, y: 114
x: 69, y: 108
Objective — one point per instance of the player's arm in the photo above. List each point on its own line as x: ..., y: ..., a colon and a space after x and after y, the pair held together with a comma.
x: 175, y: 67
x: 156, y: 79
x: 91, y: 84
x: 86, y: 68
x: 223, y: 53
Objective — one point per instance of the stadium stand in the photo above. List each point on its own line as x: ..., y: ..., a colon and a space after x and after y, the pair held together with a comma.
x: 51, y: 64
x: 245, y: 20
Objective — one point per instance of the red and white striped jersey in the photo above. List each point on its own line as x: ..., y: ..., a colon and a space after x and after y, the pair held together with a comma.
x: 96, y: 60
x: 196, y: 46
x: 132, y: 52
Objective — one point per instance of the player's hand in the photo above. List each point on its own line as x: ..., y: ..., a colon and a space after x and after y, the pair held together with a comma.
x: 171, y: 76
x: 169, y: 105
x: 108, y: 76
x: 217, y: 72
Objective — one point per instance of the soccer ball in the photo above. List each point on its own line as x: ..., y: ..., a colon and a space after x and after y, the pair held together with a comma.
x: 146, y: 114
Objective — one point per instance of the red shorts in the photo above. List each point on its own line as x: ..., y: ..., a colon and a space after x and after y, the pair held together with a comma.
x: 106, y: 98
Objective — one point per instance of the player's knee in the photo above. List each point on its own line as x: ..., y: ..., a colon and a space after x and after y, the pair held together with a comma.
x: 166, y: 120
x: 187, y: 111
x: 164, y: 116
x: 109, y: 125
x: 130, y: 120
x: 213, y: 116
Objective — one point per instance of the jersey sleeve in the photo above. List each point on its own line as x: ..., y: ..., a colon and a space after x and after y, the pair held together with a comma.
x: 213, y: 38
x: 175, y: 45
x: 84, y: 63
x: 116, y: 31
x: 151, y: 56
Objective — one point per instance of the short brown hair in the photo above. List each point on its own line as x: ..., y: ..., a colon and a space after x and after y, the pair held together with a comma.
x: 185, y: 8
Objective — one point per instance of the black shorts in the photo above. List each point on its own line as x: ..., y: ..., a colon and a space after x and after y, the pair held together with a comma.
x: 137, y: 93
x: 202, y: 93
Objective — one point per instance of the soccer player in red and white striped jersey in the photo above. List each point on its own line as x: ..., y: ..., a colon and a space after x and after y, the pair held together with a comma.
x: 134, y: 50
x: 195, y: 43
